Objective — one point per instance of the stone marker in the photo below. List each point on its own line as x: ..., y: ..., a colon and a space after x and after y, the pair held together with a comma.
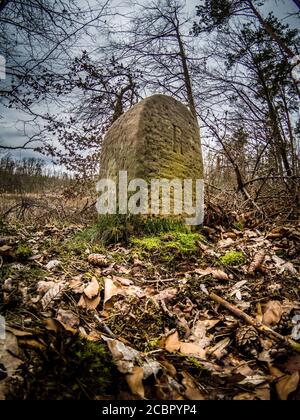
x: 156, y: 138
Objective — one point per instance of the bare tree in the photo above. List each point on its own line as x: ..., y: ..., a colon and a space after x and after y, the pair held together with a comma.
x: 157, y: 40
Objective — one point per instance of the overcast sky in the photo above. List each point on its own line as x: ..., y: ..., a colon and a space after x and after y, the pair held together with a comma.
x: 12, y: 127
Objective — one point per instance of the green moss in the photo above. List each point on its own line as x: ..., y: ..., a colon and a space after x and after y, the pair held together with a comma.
x: 182, y: 242
x: 233, y: 258
x: 148, y: 243
x: 23, y: 252
x: 195, y: 362
x: 152, y: 344
x: 239, y: 226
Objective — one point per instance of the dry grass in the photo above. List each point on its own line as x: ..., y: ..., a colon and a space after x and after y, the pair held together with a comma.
x: 46, y: 207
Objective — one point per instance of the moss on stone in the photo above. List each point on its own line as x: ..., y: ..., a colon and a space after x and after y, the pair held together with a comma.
x: 168, y: 246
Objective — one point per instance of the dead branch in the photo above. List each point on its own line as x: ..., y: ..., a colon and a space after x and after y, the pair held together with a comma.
x: 251, y: 321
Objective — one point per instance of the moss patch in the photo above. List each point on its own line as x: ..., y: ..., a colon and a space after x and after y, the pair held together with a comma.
x: 23, y: 252
x: 233, y: 258
x: 183, y: 242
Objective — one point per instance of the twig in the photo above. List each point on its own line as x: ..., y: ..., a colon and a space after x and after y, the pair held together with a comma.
x: 258, y: 325
x: 105, y: 327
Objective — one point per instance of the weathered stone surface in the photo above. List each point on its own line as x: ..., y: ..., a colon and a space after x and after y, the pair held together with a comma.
x: 156, y: 138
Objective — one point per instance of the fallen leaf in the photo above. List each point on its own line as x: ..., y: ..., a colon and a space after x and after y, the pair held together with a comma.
x: 76, y: 284
x: 52, y: 264
x: 272, y: 313
x: 191, y: 390
x: 244, y: 396
x: 67, y: 317
x: 53, y: 293
x: 263, y: 392
x: 171, y: 370
x: 224, y: 243
x: 10, y: 353
x: 31, y: 343
x: 4, y: 249
x: 286, y: 384
x: 172, y: 342
x: 122, y: 280
x: 219, y: 349
x: 216, y: 273
x: 53, y: 324
x: 92, y: 290
x: 192, y: 349
x: 167, y: 294
x: 44, y: 286
x: 89, y: 304
x: 135, y: 381
x: 110, y: 290
x: 220, y: 275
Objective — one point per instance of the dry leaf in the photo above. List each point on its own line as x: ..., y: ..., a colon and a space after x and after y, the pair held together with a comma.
x: 286, y: 384
x: 192, y: 349
x: 89, y: 304
x: 122, y: 280
x: 272, y: 313
x: 76, y: 284
x: 224, y: 243
x: 167, y: 388
x: 52, y: 264
x: 92, y: 290
x: 244, y: 396
x: 220, y: 275
x: 52, y: 294
x: 172, y: 342
x: 263, y: 392
x: 53, y: 324
x: 67, y: 317
x: 171, y: 370
x: 219, y: 350
x: 167, y: 294
x: 44, y: 286
x: 135, y: 381
x: 9, y: 353
x: 192, y: 392
x: 31, y: 343
x: 216, y: 273
x: 110, y: 290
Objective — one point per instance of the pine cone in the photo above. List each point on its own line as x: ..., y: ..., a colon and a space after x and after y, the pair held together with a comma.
x: 98, y: 259
x: 247, y: 339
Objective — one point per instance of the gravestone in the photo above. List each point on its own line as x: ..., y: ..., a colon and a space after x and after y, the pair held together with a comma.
x: 156, y: 138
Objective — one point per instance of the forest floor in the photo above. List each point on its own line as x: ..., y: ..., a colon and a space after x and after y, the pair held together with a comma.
x: 144, y: 321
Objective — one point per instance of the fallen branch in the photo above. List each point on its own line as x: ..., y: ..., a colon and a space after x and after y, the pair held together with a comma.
x: 252, y: 321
